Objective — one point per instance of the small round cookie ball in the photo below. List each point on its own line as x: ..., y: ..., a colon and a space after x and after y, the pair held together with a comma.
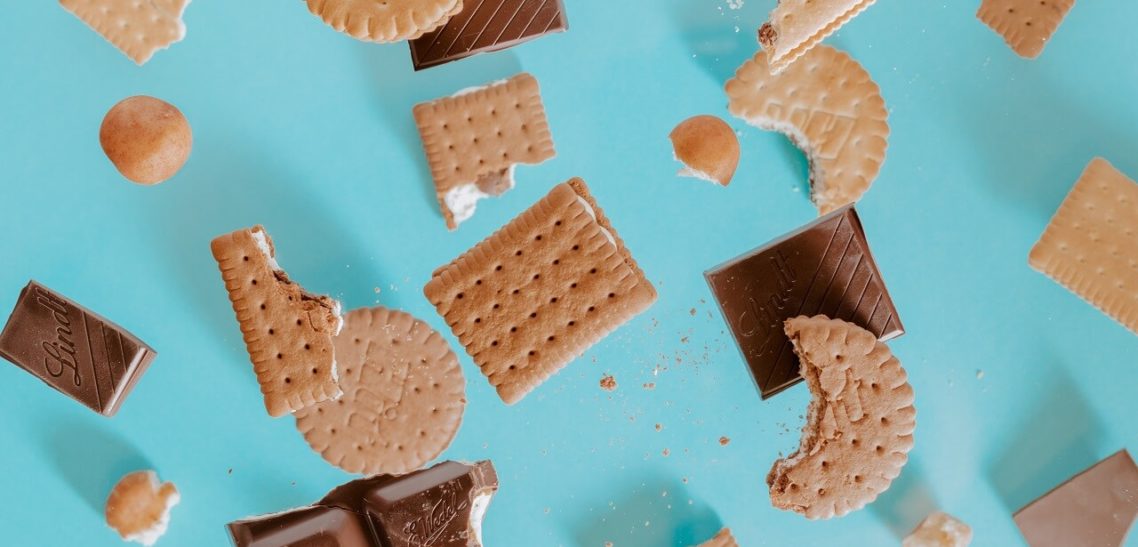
x: 147, y: 139
x: 707, y: 147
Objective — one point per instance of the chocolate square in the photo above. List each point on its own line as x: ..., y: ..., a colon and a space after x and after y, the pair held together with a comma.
x: 488, y: 25
x: 73, y: 350
x: 316, y: 526
x: 822, y: 268
x: 1096, y: 507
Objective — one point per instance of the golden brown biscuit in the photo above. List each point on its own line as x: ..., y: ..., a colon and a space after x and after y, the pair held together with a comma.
x: 138, y: 507
x: 403, y: 396
x: 138, y: 28
x: 384, y: 20
x: 540, y: 291
x: 859, y: 426
x: 1026, y: 25
x: 795, y: 26
x: 287, y: 331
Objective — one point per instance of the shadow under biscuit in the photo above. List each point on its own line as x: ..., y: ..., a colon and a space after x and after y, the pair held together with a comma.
x: 397, y: 88
x: 909, y: 499
x: 90, y: 458
x: 1059, y: 438
x: 651, y: 512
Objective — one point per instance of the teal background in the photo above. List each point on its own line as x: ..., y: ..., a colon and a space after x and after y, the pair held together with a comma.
x: 310, y: 133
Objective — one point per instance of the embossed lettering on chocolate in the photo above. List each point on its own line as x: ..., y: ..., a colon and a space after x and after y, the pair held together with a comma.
x: 823, y: 268
x: 442, y: 506
x: 73, y: 350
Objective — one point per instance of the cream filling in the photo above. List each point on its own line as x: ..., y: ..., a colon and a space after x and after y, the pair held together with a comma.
x: 477, y: 513
x: 150, y: 535
x: 462, y: 200
x: 262, y: 242
x: 589, y: 209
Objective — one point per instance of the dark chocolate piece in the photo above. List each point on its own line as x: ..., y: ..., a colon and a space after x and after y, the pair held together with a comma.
x: 441, y: 506
x: 305, y: 527
x: 823, y: 268
x: 1095, y: 507
x: 73, y: 349
x: 488, y: 25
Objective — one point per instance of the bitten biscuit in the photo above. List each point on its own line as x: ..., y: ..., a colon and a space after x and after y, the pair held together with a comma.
x: 1091, y: 244
x: 859, y: 426
x: 384, y: 20
x: 287, y: 331
x: 473, y: 140
x: 1026, y: 25
x: 795, y: 26
x: 403, y: 396
x: 538, y: 292
x: 828, y: 105
x: 138, y: 28
x: 138, y: 507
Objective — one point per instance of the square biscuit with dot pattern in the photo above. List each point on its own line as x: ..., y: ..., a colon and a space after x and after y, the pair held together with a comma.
x: 1026, y: 25
x: 540, y: 291
x: 138, y: 28
x: 474, y: 138
x: 1091, y: 244
x: 288, y: 332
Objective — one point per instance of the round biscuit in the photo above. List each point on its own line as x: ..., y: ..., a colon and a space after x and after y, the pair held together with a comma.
x: 830, y: 107
x: 859, y: 425
x: 384, y: 20
x: 403, y: 396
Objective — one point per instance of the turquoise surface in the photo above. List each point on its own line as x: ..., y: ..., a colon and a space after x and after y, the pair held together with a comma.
x: 1019, y: 383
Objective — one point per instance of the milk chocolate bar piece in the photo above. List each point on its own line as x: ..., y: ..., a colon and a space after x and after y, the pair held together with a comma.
x: 823, y: 268
x: 441, y: 506
x: 73, y: 350
x: 488, y: 25
x: 1095, y: 507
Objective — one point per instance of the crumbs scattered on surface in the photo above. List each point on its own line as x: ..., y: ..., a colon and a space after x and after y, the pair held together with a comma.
x: 650, y: 385
x: 666, y: 452
x: 692, y: 312
x: 608, y: 383
x: 979, y: 375
x: 724, y: 441
x: 608, y: 544
x: 659, y: 427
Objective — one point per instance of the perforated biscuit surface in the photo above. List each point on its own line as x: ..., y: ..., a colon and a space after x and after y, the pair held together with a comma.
x: 860, y: 423
x: 287, y: 331
x: 540, y: 291
x: 138, y: 28
x: 1026, y: 25
x: 1091, y: 244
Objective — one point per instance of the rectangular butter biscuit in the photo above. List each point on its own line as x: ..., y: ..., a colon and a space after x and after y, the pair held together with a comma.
x: 1091, y: 245
x: 540, y: 291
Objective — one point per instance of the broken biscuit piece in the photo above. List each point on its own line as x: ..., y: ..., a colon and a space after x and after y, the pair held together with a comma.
x: 796, y: 26
x: 139, y: 507
x: 288, y: 332
x: 939, y: 530
x: 474, y: 138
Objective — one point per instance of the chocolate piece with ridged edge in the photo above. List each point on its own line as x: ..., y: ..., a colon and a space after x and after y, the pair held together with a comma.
x: 822, y: 268
x: 485, y: 26
x: 73, y: 350
x: 441, y: 506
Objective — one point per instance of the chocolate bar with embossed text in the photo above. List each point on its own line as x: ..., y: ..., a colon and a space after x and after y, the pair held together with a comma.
x: 73, y: 350
x: 488, y: 25
x: 823, y: 268
x: 442, y: 506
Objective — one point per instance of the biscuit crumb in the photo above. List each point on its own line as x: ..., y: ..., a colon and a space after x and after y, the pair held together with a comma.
x: 608, y: 383
x: 650, y: 385
x: 666, y: 452
x: 724, y: 441
x: 138, y: 507
x: 659, y: 427
x: 979, y: 375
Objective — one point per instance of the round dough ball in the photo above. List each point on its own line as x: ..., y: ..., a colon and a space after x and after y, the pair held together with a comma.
x: 707, y: 147
x: 147, y: 139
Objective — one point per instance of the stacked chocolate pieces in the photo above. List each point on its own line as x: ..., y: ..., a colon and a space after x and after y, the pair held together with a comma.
x: 441, y: 506
x: 73, y: 349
